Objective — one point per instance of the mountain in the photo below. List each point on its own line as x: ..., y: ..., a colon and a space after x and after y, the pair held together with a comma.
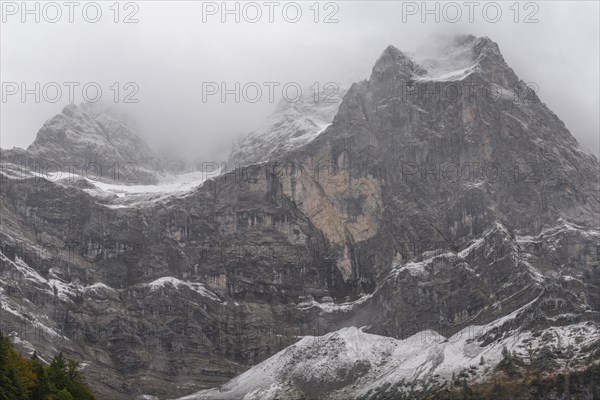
x: 350, y: 363
x: 94, y: 140
x: 417, y: 233
x: 450, y: 212
x: 416, y: 353
x: 290, y: 126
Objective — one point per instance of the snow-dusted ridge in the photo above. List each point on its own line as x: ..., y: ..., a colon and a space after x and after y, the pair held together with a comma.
x: 22, y: 311
x: 331, y: 307
x: 420, y: 269
x: 551, y: 234
x: 326, y: 361
x: 449, y: 59
x: 175, y: 283
x: 68, y: 290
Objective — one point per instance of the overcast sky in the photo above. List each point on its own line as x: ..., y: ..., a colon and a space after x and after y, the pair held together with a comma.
x: 171, y: 51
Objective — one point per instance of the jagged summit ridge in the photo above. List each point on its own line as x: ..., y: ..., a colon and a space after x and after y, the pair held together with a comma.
x: 392, y: 57
x: 449, y: 58
x: 293, y: 125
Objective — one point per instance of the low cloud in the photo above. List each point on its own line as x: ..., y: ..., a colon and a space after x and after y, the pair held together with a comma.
x: 170, y: 55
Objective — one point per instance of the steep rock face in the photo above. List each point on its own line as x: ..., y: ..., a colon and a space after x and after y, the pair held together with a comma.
x: 155, y: 292
x: 413, y: 211
x: 445, y: 166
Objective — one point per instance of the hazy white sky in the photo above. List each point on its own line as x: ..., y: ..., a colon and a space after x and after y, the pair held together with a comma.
x: 171, y: 51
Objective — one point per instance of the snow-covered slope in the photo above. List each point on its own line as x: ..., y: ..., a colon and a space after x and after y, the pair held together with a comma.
x: 120, y: 196
x: 117, y: 195
x: 291, y: 125
x: 349, y: 362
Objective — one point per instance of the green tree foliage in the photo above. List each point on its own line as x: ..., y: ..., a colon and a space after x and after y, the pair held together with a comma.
x: 22, y: 379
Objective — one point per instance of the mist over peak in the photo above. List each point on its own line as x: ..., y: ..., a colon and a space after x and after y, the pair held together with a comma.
x: 333, y: 201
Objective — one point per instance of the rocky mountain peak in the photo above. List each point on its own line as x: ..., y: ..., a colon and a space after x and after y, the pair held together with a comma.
x: 393, y: 63
x: 100, y: 134
x: 70, y: 110
x: 93, y: 123
x: 443, y: 59
x: 482, y: 45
